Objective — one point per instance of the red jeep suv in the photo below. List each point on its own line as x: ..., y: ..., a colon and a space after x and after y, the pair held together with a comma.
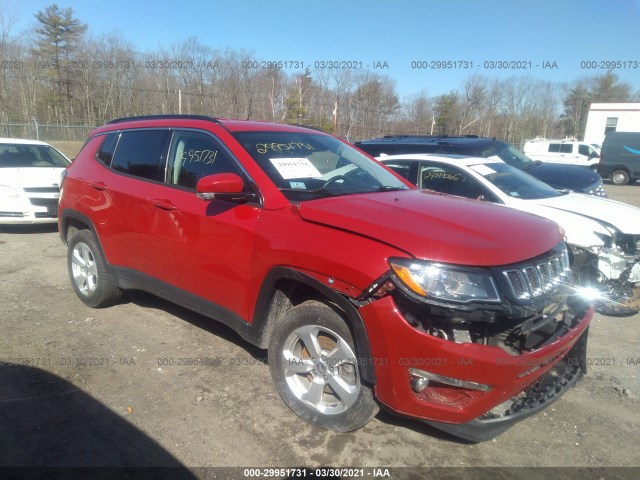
x: 364, y: 290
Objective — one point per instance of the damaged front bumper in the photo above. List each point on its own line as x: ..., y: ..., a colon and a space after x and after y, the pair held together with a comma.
x: 473, y: 391
x: 535, y: 398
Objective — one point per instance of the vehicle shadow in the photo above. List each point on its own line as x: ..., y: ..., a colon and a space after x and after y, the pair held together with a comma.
x: 46, y: 421
x: 148, y: 300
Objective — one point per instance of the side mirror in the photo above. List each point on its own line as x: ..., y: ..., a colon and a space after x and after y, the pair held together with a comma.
x: 224, y: 186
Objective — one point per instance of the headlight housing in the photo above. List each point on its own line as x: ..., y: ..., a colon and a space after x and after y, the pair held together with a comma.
x: 445, y: 282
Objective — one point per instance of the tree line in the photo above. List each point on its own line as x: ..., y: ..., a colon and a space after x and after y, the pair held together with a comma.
x: 61, y: 74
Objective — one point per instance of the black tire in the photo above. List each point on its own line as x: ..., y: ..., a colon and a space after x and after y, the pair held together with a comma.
x: 329, y: 361
x: 88, y: 273
x: 619, y: 177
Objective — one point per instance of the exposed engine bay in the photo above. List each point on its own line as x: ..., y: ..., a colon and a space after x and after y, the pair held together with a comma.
x: 610, y: 276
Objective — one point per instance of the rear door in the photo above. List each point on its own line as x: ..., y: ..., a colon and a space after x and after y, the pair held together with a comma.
x: 132, y: 162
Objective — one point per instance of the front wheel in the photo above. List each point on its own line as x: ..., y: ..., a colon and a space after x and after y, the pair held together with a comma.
x: 313, y: 364
x: 619, y: 177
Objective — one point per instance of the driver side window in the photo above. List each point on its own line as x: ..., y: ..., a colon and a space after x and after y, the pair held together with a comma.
x: 194, y: 155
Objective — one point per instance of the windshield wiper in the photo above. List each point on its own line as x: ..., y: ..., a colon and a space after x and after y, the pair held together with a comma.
x: 389, y: 188
x: 312, y: 192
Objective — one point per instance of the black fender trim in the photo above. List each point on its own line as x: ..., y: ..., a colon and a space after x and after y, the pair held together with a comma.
x: 260, y: 327
x: 74, y: 214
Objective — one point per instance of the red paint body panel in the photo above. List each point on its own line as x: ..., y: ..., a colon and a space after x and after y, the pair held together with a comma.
x: 467, y: 233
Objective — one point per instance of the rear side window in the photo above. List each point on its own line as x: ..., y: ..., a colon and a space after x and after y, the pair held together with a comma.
x: 566, y: 148
x: 140, y: 153
x: 554, y: 147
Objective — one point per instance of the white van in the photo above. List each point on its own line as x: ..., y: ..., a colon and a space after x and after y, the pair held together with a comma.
x: 568, y: 151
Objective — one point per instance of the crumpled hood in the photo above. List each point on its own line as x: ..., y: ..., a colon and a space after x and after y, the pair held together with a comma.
x: 30, y: 177
x: 438, y: 227
x: 625, y: 218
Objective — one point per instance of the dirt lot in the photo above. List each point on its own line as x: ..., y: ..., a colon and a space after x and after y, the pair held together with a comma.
x: 116, y: 386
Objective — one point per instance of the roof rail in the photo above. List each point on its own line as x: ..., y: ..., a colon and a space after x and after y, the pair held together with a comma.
x: 166, y: 117
x: 391, y: 137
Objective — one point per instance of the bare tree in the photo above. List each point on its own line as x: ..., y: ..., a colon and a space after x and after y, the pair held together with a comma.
x: 474, y: 94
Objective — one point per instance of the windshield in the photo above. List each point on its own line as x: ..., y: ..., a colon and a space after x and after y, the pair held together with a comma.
x: 508, y: 154
x: 306, y: 166
x: 17, y: 155
x: 514, y: 182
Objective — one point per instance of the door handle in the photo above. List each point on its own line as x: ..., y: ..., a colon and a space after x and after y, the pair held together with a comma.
x: 163, y: 204
x: 99, y: 186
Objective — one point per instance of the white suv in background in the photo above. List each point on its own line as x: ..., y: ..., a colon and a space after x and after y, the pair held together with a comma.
x: 568, y: 151
x: 29, y: 181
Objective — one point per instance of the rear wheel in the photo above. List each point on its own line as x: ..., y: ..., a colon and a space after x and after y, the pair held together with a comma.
x: 619, y: 177
x: 313, y: 364
x: 88, y: 273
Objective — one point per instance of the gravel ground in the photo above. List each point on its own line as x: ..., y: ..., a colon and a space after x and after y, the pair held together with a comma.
x: 116, y: 386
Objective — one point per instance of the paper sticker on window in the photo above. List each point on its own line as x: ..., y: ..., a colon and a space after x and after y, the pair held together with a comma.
x: 300, y: 185
x: 494, y: 157
x: 290, y: 168
x: 482, y: 169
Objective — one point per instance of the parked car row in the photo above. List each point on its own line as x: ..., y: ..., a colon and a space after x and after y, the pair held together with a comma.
x: 618, y: 158
x: 560, y: 177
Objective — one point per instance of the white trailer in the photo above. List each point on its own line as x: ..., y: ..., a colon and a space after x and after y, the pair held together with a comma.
x: 611, y: 117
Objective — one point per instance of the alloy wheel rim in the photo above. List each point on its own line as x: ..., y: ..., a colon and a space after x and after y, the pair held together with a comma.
x: 320, y: 369
x: 84, y: 269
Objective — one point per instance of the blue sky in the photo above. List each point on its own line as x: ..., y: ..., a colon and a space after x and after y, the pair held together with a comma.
x: 396, y: 32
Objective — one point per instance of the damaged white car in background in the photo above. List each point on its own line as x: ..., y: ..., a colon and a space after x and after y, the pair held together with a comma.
x: 603, y: 235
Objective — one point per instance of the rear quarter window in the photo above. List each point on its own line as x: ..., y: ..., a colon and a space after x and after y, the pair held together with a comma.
x: 105, y: 153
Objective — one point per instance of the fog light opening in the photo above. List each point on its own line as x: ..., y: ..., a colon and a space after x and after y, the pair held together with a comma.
x: 421, y: 379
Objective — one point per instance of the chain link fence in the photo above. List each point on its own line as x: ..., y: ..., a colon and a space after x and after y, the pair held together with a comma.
x: 66, y: 138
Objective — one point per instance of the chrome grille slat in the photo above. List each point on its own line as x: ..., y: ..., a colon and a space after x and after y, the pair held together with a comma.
x: 538, y: 278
